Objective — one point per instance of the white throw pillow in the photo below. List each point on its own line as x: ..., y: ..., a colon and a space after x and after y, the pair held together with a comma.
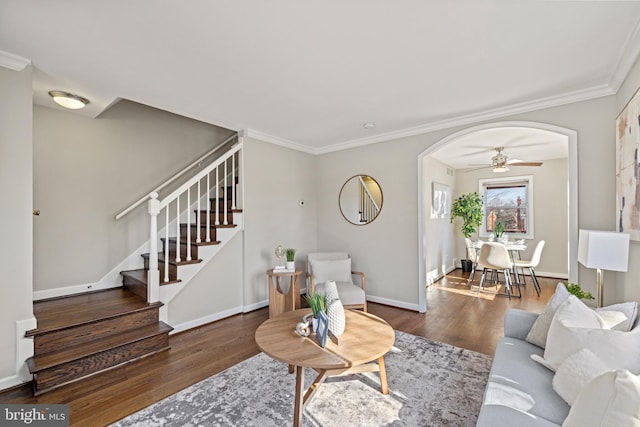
x: 610, y: 400
x: 621, y: 317
x: 575, y: 326
x: 538, y: 333
x: 576, y: 372
x: 338, y: 270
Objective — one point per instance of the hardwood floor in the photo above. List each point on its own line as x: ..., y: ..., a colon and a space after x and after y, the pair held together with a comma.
x: 454, y: 315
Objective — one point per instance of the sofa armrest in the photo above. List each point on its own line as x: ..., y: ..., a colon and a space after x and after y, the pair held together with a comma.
x: 518, y: 323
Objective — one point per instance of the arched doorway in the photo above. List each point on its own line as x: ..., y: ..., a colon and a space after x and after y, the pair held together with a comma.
x: 570, y: 138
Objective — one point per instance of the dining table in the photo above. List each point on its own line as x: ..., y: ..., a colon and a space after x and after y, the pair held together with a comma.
x: 515, y: 248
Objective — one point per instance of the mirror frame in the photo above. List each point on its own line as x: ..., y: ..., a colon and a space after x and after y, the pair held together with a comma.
x: 342, y: 191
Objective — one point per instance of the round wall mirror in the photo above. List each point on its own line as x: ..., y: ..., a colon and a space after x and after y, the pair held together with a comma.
x: 360, y: 199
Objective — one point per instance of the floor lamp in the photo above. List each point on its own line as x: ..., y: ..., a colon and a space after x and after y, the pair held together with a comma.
x: 603, y: 250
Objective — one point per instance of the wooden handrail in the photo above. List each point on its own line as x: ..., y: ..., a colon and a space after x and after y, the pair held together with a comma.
x: 176, y: 176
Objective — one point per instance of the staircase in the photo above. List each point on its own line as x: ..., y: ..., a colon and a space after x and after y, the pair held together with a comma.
x: 82, y: 335
x: 169, y: 261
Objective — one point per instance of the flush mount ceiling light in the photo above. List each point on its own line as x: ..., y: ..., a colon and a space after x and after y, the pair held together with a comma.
x: 68, y: 100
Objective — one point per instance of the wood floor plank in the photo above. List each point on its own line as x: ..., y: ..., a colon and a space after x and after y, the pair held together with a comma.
x: 454, y: 315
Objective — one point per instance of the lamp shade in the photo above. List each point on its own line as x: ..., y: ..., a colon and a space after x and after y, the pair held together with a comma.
x: 606, y: 250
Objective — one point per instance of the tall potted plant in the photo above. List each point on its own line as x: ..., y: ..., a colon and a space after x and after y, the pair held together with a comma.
x: 469, y: 208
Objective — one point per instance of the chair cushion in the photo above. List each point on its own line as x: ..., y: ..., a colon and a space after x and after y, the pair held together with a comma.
x: 349, y: 293
x: 338, y: 270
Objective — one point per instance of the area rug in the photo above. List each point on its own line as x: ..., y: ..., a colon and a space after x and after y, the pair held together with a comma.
x: 430, y: 384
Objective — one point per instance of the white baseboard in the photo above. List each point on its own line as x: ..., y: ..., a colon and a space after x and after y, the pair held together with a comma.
x: 218, y: 316
x: 24, y: 350
x: 11, y: 381
x: 206, y: 319
x: 71, y: 290
x: 255, y: 306
x: 393, y: 303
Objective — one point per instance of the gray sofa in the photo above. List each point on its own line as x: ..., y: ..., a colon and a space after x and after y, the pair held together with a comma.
x: 519, y: 391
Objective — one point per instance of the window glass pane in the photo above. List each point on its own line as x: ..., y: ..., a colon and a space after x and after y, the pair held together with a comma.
x: 506, y: 203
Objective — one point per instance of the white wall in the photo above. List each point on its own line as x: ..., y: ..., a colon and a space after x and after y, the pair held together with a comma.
x: 16, y: 227
x: 551, y: 224
x: 215, y: 292
x: 439, y: 245
x: 88, y: 170
x: 627, y: 285
x: 276, y: 179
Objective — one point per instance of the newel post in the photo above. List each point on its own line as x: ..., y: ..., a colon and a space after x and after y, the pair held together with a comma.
x: 153, y: 275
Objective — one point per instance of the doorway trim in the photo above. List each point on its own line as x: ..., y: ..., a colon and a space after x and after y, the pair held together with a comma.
x: 572, y: 200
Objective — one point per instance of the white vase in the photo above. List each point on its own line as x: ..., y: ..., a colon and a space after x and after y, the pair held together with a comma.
x: 337, y: 320
x: 330, y: 291
x: 291, y: 265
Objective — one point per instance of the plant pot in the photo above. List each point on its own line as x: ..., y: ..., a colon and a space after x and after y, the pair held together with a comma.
x: 291, y: 265
x: 467, y: 265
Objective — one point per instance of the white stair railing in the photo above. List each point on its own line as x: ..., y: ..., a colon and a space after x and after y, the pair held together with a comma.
x: 202, y: 187
x: 368, y: 207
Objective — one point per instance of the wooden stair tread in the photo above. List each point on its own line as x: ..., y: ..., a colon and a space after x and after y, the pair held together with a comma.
x: 172, y: 259
x: 183, y: 240
x: 74, y: 310
x: 69, y: 354
x: 140, y: 275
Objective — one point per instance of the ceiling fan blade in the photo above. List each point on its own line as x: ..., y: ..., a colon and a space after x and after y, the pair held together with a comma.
x: 525, y: 164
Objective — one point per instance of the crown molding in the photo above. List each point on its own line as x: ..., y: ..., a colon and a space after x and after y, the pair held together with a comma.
x: 524, y: 107
x: 252, y: 133
x: 496, y: 113
x: 628, y: 57
x: 13, y: 62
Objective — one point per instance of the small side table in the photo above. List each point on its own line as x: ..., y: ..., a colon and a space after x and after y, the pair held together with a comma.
x: 279, y: 300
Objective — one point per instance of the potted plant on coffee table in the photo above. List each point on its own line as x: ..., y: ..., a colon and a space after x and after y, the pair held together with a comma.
x: 318, y: 303
x: 469, y: 208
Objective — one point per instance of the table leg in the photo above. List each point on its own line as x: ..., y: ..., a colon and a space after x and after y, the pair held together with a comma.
x: 322, y: 375
x: 298, y: 406
x: 383, y: 376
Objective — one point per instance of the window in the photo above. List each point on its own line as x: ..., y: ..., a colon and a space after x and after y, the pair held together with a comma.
x: 509, y: 200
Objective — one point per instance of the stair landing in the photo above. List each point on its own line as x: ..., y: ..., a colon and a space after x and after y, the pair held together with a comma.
x: 81, y: 335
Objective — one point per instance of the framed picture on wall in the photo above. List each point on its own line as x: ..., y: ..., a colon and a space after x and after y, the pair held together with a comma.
x: 628, y: 169
x: 440, y: 200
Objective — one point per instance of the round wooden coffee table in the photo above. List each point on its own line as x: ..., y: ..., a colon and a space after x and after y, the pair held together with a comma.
x: 365, y: 341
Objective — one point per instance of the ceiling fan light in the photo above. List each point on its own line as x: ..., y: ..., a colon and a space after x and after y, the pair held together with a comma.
x: 500, y: 169
x: 68, y: 100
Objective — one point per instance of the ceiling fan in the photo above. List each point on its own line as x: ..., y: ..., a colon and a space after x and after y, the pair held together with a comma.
x: 500, y: 162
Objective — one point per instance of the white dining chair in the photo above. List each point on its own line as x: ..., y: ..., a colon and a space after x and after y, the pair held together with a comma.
x: 494, y: 256
x: 531, y: 265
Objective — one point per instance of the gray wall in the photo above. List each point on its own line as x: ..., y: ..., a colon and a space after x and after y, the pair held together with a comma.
x: 276, y: 179
x: 16, y: 172
x: 387, y: 249
x: 88, y: 170
x: 439, y: 243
